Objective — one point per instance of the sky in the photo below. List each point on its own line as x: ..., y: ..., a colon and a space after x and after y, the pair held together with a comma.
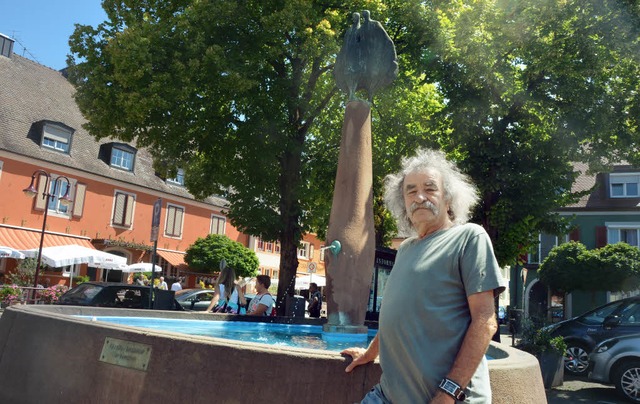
x: 42, y: 28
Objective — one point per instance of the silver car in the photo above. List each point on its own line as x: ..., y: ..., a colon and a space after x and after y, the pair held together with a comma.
x: 617, y: 361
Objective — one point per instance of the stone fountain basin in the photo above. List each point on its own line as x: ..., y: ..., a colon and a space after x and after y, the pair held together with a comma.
x: 46, y: 355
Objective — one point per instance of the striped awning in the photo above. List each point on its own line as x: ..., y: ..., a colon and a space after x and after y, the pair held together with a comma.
x: 27, y: 239
x: 174, y: 258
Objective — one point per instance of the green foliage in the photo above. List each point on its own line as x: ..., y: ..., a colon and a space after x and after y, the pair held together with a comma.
x: 80, y: 279
x: 536, y: 341
x: 24, y: 274
x: 571, y: 266
x: 532, y: 87
x: 240, y: 95
x: 206, y: 253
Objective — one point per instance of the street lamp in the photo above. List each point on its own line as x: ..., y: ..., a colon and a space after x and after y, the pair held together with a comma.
x: 48, y: 194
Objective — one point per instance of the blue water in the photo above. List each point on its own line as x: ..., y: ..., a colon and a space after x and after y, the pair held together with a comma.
x: 296, y: 335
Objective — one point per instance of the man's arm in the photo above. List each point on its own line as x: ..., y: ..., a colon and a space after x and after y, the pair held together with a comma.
x: 475, y: 343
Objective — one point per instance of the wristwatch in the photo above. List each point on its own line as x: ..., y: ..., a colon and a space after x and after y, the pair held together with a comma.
x: 453, y: 389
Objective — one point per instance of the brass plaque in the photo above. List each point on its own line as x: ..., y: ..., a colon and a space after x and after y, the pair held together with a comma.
x: 128, y: 354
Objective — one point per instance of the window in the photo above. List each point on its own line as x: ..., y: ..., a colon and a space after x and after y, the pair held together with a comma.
x: 62, y: 186
x: 539, y: 252
x: 260, y: 245
x: 123, y: 209
x: 53, y: 205
x: 303, y: 250
x: 178, y: 179
x: 56, y: 138
x: 623, y: 233
x: 218, y: 224
x: 6, y: 46
x: 624, y: 185
x: 276, y: 247
x: 173, y: 225
x: 268, y: 246
x: 121, y: 158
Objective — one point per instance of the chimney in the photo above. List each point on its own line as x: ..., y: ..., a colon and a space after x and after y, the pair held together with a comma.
x: 6, y: 46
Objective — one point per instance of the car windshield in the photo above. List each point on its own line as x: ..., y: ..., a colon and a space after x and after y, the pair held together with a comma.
x: 82, y: 292
x: 597, y: 316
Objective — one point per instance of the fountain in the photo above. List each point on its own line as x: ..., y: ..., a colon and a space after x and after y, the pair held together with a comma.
x: 49, y: 354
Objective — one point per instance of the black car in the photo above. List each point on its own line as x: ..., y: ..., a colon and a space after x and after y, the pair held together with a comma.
x: 584, y: 332
x: 118, y: 295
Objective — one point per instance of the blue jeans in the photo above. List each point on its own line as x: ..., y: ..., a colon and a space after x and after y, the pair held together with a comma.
x: 375, y: 396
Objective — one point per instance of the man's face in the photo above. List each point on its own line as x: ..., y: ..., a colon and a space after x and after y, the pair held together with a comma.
x: 424, y: 199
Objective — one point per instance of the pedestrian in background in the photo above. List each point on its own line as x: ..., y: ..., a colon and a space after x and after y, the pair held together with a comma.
x: 315, y: 300
x: 262, y: 303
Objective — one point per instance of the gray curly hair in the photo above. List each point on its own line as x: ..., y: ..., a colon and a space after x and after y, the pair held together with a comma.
x: 459, y: 191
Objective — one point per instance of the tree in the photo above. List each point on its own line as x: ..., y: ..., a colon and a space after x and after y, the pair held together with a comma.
x: 567, y: 267
x: 230, y: 92
x: 206, y: 253
x: 240, y: 95
x: 571, y: 266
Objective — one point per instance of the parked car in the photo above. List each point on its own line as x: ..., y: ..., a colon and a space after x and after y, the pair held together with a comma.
x: 617, y: 361
x: 502, y: 315
x: 194, y: 299
x: 584, y: 332
x: 118, y: 295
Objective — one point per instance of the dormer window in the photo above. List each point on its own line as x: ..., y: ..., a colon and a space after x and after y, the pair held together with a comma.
x: 624, y: 185
x: 56, y: 137
x: 178, y: 179
x: 122, y: 156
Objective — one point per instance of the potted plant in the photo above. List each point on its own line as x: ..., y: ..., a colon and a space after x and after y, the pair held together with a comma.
x: 549, y: 351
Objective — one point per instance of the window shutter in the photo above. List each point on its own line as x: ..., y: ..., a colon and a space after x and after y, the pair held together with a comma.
x: 171, y: 217
x: 178, y: 223
x: 41, y: 202
x: 311, y: 252
x: 78, y: 200
x: 129, y: 211
x: 601, y: 236
x: 118, y: 210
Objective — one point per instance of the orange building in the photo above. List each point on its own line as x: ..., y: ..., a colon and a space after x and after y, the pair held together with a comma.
x: 112, y: 185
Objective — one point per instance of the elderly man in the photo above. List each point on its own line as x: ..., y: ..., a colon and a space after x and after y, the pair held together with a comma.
x: 437, y: 316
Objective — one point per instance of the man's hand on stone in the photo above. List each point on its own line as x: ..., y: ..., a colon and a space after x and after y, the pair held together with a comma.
x: 359, y: 356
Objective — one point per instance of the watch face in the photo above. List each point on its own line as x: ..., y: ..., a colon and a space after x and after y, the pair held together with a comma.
x: 449, y: 386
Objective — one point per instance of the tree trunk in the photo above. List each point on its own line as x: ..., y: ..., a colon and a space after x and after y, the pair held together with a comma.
x: 291, y: 230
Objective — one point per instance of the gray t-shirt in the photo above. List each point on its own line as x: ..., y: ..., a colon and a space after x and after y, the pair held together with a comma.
x: 425, y: 314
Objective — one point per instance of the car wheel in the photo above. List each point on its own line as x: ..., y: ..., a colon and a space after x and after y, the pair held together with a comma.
x: 627, y: 380
x: 576, y: 360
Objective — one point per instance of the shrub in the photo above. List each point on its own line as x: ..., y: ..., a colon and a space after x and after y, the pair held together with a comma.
x: 536, y: 341
x: 51, y: 294
x: 10, y: 294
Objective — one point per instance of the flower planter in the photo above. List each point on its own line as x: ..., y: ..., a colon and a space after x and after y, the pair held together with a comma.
x: 552, y: 367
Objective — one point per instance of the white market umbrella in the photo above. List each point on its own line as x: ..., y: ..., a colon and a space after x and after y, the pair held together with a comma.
x: 303, y: 282
x: 8, y: 252
x: 63, y: 255
x: 141, y: 267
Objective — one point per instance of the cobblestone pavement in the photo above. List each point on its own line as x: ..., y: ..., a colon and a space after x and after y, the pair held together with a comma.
x: 575, y: 389
x: 579, y: 390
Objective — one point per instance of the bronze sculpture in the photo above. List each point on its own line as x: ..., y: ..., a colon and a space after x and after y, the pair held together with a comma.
x: 367, y: 60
